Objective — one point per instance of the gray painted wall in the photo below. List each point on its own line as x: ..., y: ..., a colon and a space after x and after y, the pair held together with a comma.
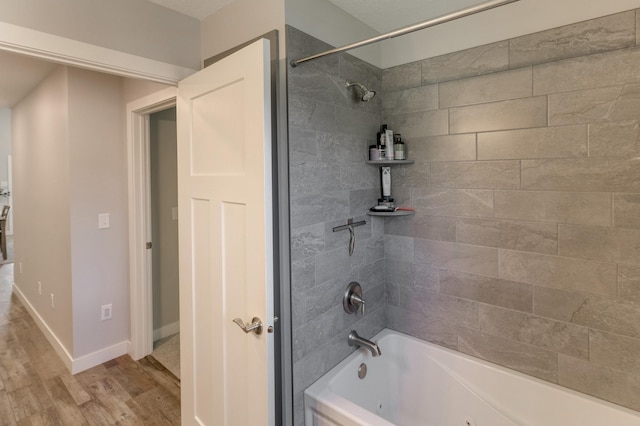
x: 164, y: 197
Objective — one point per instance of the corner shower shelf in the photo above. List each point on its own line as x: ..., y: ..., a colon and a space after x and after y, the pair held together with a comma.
x: 392, y: 214
x: 390, y: 162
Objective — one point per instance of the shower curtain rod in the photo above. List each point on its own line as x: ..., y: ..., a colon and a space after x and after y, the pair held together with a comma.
x: 406, y: 30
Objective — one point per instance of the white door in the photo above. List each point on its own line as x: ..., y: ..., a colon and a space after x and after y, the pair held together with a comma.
x: 226, y: 258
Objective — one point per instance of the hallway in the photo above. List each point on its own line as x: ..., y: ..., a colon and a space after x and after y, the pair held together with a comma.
x: 36, y: 388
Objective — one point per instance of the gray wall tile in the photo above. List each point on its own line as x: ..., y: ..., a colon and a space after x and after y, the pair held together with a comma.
x: 586, y: 208
x: 478, y: 268
x: 420, y: 124
x: 518, y: 356
x: 454, y: 310
x: 545, y: 142
x: 616, y: 316
x: 487, y: 88
x: 316, y: 208
x: 303, y: 274
x: 305, y: 113
x: 418, y: 325
x: 626, y: 210
x: 307, y: 241
x: 399, y: 272
x: 614, y: 139
x: 584, y: 38
x: 584, y: 174
x: 476, y: 174
x: 426, y: 276
x: 587, y: 72
x: 558, y: 272
x: 524, y: 236
x: 401, y: 77
x: 418, y: 99
x: 475, y: 61
x: 599, y: 381
x: 491, y: 290
x: 454, y: 202
x: 398, y: 248
x: 534, y: 330
x: 421, y: 225
x: 332, y: 264
x: 329, y: 135
x: 606, y: 244
x: 602, y: 105
x: 513, y: 114
x: 629, y: 282
x: 413, y: 175
x: 457, y: 257
x: 615, y: 351
x: 443, y: 148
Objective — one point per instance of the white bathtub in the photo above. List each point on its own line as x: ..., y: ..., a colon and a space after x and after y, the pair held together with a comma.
x: 418, y: 383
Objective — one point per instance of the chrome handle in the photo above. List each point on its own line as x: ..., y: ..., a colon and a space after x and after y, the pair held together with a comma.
x: 357, y: 300
x: 255, y: 326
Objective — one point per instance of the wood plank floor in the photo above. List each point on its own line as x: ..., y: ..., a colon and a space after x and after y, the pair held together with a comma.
x: 36, y: 388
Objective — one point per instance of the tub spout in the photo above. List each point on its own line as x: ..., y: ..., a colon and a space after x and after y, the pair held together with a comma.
x: 355, y: 340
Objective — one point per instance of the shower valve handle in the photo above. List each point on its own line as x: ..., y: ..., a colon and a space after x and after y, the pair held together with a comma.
x: 352, y: 299
x: 358, y: 301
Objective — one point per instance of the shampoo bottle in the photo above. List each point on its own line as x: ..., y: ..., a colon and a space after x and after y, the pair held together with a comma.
x: 389, y: 144
x: 399, y: 148
x: 382, y: 137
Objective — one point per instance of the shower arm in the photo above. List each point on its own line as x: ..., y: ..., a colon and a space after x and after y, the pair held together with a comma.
x: 406, y: 30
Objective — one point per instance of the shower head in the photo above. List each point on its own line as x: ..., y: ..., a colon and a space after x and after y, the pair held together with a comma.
x: 367, y: 94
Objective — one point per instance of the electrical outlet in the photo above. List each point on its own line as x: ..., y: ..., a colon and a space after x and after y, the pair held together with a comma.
x: 106, y: 312
x: 39, y: 287
x: 53, y: 305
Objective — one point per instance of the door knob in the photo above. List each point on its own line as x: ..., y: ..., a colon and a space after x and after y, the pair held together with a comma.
x: 255, y: 326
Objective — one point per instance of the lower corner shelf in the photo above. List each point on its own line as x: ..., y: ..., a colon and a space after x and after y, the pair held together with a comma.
x: 392, y: 214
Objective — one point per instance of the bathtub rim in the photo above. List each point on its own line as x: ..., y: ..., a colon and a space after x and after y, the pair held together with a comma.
x: 320, y: 389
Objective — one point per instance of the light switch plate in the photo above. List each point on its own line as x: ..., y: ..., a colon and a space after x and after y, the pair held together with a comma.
x: 103, y: 221
x: 174, y: 213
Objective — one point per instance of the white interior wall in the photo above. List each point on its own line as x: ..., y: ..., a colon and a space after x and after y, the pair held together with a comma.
x: 137, y: 27
x: 5, y: 143
x: 98, y: 184
x: 164, y: 198
x: 42, y: 241
x: 239, y: 22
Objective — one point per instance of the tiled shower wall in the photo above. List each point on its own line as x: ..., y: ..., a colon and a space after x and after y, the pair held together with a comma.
x: 329, y: 132
x: 525, y: 246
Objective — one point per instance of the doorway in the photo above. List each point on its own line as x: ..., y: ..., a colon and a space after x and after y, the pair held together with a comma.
x: 163, y: 206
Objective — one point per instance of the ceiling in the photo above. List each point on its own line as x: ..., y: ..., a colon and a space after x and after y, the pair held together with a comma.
x: 198, y: 9
x: 384, y: 15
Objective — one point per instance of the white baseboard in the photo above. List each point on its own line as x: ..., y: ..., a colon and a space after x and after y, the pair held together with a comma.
x: 85, y: 362
x: 73, y: 365
x: 166, y: 331
x: 62, y: 352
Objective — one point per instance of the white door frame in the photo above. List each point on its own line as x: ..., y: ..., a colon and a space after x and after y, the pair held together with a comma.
x: 140, y: 277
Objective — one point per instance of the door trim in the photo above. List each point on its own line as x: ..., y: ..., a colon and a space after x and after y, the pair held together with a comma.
x: 63, y: 50
x: 140, y: 285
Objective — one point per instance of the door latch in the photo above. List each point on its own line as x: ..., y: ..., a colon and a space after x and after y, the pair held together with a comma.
x: 255, y: 326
